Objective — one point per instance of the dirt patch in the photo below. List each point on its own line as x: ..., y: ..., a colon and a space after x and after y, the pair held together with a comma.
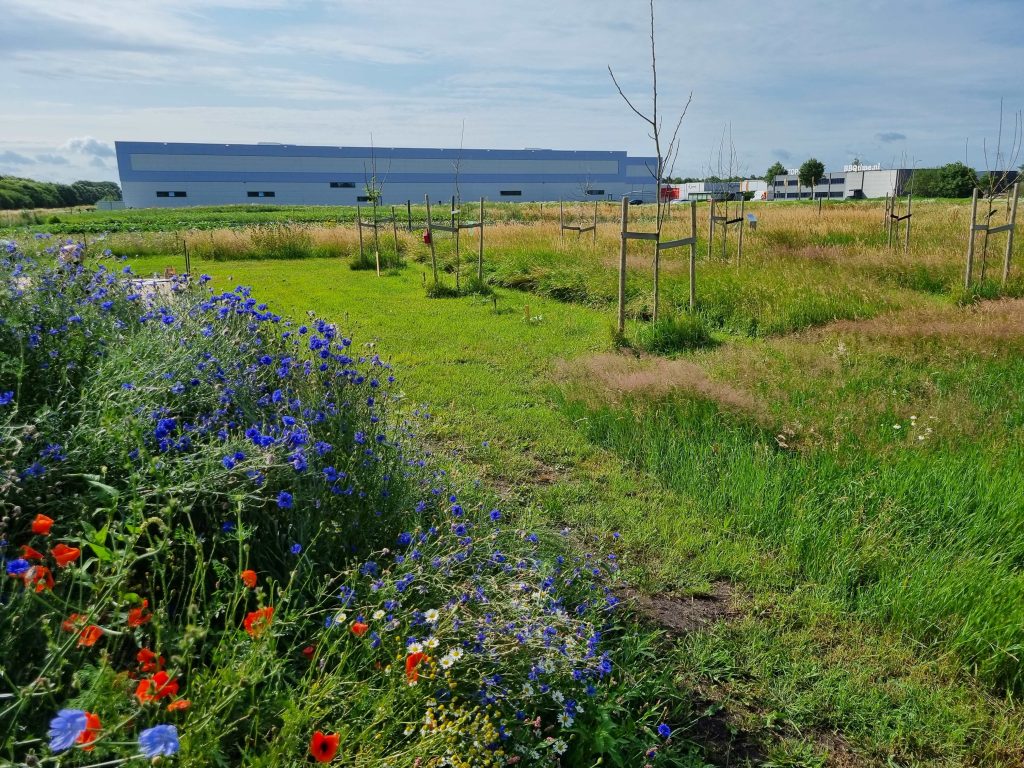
x: 617, y: 374
x: 680, y: 615
x: 989, y: 320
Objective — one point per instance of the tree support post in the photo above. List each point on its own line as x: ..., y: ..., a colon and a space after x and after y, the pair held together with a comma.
x: 1009, y: 234
x: 622, y: 267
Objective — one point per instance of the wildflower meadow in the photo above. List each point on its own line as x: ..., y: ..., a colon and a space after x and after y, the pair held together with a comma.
x: 223, y: 543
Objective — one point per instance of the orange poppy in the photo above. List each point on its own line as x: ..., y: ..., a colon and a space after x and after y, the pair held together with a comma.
x: 309, y: 651
x: 65, y: 555
x: 40, y: 576
x: 90, y: 635
x: 42, y: 525
x: 160, y: 686
x: 257, y: 622
x: 412, y: 663
x: 30, y: 554
x: 359, y: 629
x: 179, y: 704
x: 137, y: 616
x: 149, y: 661
x: 324, y: 746
x: 92, y: 729
x: 249, y: 578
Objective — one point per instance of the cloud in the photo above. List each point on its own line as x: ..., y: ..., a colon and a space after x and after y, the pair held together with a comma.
x: 13, y: 158
x: 87, y: 145
x: 782, y: 154
x: 98, y: 162
x: 887, y: 137
x: 52, y: 159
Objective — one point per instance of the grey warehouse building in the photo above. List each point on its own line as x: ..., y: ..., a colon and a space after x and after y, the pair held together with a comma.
x: 855, y: 182
x: 181, y: 174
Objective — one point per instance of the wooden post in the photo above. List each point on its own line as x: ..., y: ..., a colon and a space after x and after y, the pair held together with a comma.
x: 394, y: 229
x: 725, y: 232
x: 188, y: 261
x: 458, y: 256
x: 359, y: 226
x: 376, y: 237
x: 594, y: 233
x: 693, y: 255
x: 408, y: 215
x: 622, y: 267
x: 480, y: 255
x: 711, y: 227
x: 970, y: 240
x: 430, y: 237
x: 885, y: 214
x: 892, y: 213
x: 657, y: 273
x: 1009, y: 235
x: 561, y: 224
x: 739, y: 248
x: 906, y: 241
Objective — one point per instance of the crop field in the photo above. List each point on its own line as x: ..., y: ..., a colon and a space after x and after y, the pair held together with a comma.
x: 785, y: 529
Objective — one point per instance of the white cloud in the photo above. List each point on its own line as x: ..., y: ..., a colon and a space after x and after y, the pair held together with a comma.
x: 87, y: 145
x: 11, y: 159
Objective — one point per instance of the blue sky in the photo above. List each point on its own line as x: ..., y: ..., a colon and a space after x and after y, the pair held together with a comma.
x: 897, y: 83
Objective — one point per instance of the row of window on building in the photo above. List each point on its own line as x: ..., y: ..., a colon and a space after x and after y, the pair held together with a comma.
x: 836, y: 180
x: 346, y: 185
x: 801, y: 195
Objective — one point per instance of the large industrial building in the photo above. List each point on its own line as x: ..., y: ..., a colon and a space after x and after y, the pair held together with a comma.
x: 164, y: 174
x: 854, y: 183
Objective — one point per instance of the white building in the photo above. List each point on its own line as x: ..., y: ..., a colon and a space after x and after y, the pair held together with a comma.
x: 853, y: 183
x: 159, y: 174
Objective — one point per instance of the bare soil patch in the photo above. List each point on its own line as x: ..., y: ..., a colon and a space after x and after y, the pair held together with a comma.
x: 680, y: 615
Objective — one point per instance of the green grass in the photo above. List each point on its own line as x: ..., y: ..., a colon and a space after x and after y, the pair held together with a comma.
x: 864, y: 557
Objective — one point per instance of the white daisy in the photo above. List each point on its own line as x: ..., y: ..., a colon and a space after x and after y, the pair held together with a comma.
x: 432, y: 616
x: 415, y: 648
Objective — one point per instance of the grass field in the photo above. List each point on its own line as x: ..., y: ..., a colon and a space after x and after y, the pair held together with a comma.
x: 842, y: 468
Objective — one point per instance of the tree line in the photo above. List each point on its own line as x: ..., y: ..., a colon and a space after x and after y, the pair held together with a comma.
x: 18, y: 193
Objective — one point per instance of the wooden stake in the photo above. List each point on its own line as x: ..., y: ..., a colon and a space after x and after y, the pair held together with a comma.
x: 711, y: 228
x: 359, y: 226
x: 970, y: 240
x: 693, y: 255
x: 594, y: 233
x: 1009, y: 235
x: 430, y: 237
x: 906, y: 241
x: 480, y: 255
x: 739, y: 248
x: 622, y: 267
x: 376, y: 237
x: 408, y: 215
x: 561, y: 224
x: 394, y: 229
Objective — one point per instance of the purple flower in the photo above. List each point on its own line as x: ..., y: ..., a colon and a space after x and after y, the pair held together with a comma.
x: 284, y: 500
x: 65, y: 729
x: 159, y: 740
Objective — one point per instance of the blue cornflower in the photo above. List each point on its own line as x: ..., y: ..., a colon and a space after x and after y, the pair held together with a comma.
x: 228, y: 462
x: 284, y: 500
x: 65, y: 729
x: 6, y: 398
x: 159, y: 740
x: 227, y: 526
x: 404, y: 539
x: 495, y: 515
x: 296, y: 549
x: 664, y: 731
x: 18, y: 567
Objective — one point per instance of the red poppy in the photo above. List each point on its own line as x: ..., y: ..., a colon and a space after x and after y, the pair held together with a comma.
x: 30, y: 554
x: 179, y: 704
x: 73, y: 622
x: 40, y: 576
x: 42, y: 525
x: 92, y: 729
x: 90, y: 635
x: 412, y: 662
x: 65, y: 555
x: 359, y: 629
x: 160, y: 686
x: 249, y: 578
x: 257, y: 622
x: 324, y: 746
x: 137, y: 617
x: 309, y: 651
x: 149, y: 661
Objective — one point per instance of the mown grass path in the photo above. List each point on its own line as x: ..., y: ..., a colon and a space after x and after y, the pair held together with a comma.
x: 794, y: 669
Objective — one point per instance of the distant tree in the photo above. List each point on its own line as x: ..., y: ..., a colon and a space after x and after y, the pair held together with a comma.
x: 951, y: 180
x: 810, y: 172
x: 776, y: 169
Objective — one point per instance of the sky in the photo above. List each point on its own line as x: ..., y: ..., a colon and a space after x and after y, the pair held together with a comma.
x: 913, y: 83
